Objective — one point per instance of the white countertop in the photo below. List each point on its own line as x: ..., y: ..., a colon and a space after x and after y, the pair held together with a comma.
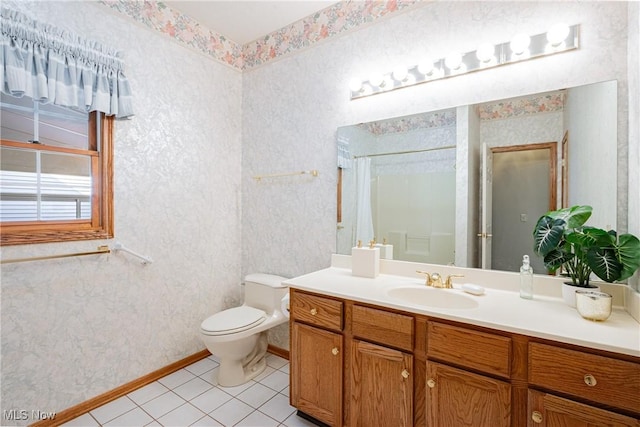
x: 545, y: 317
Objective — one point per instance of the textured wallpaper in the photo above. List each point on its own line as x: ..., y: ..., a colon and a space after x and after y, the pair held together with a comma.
x: 78, y: 327
x: 74, y: 328
x: 292, y: 107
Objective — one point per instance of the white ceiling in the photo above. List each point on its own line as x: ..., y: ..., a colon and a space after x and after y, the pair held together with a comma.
x: 243, y: 21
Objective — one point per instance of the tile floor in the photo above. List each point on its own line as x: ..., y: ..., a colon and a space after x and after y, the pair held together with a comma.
x: 191, y: 397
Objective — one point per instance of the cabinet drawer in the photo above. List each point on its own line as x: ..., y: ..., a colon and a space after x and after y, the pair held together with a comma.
x: 597, y: 378
x: 554, y: 411
x: 319, y: 311
x: 472, y: 349
x: 392, y: 329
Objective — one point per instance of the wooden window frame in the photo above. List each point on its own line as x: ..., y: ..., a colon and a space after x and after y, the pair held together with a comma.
x: 100, y: 226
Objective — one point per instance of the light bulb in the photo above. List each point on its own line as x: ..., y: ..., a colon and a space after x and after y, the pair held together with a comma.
x: 485, y: 52
x: 355, y: 85
x: 400, y: 73
x: 520, y: 43
x: 557, y: 34
x: 453, y: 61
x: 375, y: 79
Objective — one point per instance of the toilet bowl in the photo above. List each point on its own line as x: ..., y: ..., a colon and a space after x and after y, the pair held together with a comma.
x: 238, y: 336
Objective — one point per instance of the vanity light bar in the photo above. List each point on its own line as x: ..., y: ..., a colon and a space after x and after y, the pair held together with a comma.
x: 559, y: 38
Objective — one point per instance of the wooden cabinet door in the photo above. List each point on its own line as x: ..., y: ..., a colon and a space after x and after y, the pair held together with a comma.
x: 547, y: 410
x: 316, y: 373
x: 381, y: 386
x: 460, y: 398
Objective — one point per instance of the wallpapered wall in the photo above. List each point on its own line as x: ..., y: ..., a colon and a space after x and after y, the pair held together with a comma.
x: 74, y: 328
x: 292, y: 107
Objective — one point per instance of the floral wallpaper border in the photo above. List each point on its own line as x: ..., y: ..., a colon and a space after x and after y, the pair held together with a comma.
x: 522, y: 107
x: 186, y: 30
x: 490, y: 111
x: 405, y: 124
x: 335, y: 19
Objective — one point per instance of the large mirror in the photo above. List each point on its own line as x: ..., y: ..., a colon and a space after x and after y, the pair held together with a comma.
x: 465, y: 185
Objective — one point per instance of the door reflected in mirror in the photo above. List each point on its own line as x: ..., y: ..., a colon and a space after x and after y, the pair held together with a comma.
x: 410, y: 180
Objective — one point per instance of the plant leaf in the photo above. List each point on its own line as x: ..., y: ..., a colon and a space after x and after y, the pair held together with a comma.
x: 586, y: 237
x: 547, y: 234
x: 575, y: 216
x: 604, y: 263
x: 555, y: 258
x: 628, y: 252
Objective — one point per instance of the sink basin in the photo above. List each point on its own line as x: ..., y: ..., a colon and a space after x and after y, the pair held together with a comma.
x: 431, y: 297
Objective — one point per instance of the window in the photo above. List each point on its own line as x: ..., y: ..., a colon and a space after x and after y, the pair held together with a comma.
x: 55, y: 174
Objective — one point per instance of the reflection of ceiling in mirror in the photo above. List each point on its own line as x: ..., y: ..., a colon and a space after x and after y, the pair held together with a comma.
x: 436, y: 119
x: 522, y: 106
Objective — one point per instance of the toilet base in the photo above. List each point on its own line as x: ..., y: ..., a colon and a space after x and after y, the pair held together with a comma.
x: 232, y: 373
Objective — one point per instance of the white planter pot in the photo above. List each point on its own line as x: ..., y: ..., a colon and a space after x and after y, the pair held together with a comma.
x: 569, y: 293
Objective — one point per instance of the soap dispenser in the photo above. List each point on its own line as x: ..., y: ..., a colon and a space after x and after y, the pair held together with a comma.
x: 365, y: 261
x: 386, y: 250
x: 526, y: 279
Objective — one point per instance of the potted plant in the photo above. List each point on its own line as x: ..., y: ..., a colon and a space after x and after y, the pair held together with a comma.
x: 564, y: 241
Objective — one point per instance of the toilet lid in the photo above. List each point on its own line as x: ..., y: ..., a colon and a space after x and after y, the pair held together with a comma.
x: 232, y: 320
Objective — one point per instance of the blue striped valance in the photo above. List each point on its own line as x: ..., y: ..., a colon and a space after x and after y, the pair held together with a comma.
x: 54, y: 66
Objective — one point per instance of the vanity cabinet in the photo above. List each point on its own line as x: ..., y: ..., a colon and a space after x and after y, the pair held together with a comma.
x: 358, y: 364
x: 381, y: 386
x: 381, y: 380
x: 596, y: 378
x: 547, y: 410
x: 593, y: 378
x: 374, y: 350
x: 316, y: 357
x: 456, y: 397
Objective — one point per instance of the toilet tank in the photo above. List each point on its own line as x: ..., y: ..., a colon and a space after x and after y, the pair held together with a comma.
x: 264, y: 291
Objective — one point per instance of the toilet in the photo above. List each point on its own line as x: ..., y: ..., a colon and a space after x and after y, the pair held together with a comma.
x: 238, y: 336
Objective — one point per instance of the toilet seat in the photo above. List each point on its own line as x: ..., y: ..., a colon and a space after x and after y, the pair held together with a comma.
x: 233, y: 320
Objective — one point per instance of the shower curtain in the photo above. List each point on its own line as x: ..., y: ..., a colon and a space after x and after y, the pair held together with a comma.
x: 364, y: 219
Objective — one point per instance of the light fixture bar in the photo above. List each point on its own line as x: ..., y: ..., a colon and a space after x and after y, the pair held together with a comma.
x: 560, y: 38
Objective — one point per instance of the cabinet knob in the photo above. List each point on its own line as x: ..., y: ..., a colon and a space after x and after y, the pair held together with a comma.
x: 590, y: 380
x: 536, y: 417
x: 313, y: 311
x: 335, y: 351
x: 405, y: 373
x: 431, y: 383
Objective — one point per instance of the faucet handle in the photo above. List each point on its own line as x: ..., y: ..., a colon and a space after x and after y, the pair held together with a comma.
x: 449, y: 283
x: 428, y: 280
